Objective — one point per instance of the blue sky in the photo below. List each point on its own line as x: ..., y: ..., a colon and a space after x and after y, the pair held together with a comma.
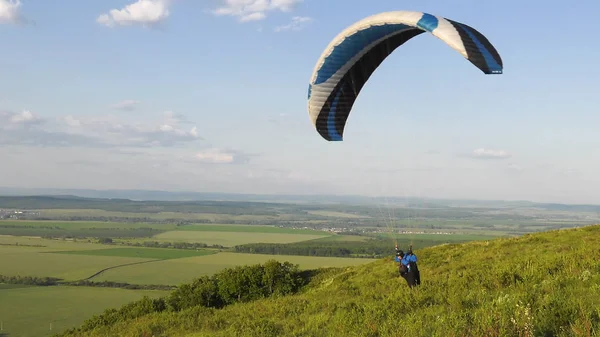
x: 211, y: 96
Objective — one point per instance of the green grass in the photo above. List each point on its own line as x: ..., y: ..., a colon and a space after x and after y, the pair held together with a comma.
x: 249, y: 229
x: 545, y: 284
x: 174, y: 272
x: 144, y: 253
x: 230, y: 239
x: 29, y: 311
x: 4, y: 286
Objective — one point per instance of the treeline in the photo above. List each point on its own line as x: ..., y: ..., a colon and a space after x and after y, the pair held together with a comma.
x: 127, y: 219
x: 79, y: 233
x: 371, y: 248
x: 157, y: 244
x: 233, y: 285
x: 16, y: 244
x: 173, y: 245
x: 123, y: 285
x: 53, y: 281
x: 29, y: 280
x: 366, y: 249
x: 192, y: 220
x: 4, y: 225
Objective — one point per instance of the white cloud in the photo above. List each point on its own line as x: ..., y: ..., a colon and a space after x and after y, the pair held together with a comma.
x: 515, y: 167
x: 25, y: 128
x: 483, y: 153
x: 175, y: 118
x: 19, y: 120
x: 146, y: 13
x: 215, y: 156
x: 221, y: 156
x: 72, y: 121
x: 10, y: 11
x: 297, y: 23
x: 126, y: 105
x: 24, y: 117
x: 254, y: 10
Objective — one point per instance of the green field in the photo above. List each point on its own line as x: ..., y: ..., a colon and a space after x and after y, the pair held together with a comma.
x: 29, y: 311
x: 144, y: 253
x: 249, y: 229
x: 345, y: 238
x: 12, y: 286
x: 173, y: 272
x: 337, y: 214
x: 29, y: 243
x: 230, y: 239
x: 26, y: 261
x: 86, y: 225
x: 73, y: 261
x: 82, y: 224
x: 220, y: 234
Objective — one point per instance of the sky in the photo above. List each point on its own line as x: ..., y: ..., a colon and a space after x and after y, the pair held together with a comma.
x: 211, y: 96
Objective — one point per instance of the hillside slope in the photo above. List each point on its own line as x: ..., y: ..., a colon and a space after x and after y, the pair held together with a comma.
x: 545, y: 284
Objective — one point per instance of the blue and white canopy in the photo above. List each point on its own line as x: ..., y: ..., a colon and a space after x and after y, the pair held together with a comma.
x: 353, y: 55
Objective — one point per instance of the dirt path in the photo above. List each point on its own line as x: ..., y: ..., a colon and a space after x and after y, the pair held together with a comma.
x: 118, y: 266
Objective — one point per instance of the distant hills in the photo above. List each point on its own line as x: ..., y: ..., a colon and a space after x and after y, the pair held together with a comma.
x: 155, y: 195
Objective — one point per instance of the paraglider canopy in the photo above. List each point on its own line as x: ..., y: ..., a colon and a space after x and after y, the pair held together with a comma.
x: 351, y: 57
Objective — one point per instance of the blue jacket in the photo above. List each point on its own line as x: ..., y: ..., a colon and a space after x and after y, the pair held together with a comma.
x: 408, y: 259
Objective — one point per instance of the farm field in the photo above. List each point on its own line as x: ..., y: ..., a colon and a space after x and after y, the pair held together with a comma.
x: 144, y: 253
x: 344, y: 238
x: 73, y: 261
x: 29, y: 311
x: 34, y: 261
x: 215, y: 217
x: 229, y: 239
x: 221, y: 234
x: 249, y: 229
x: 177, y: 271
x: 215, y: 227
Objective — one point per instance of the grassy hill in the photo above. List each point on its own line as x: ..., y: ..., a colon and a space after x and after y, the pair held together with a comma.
x: 545, y: 284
